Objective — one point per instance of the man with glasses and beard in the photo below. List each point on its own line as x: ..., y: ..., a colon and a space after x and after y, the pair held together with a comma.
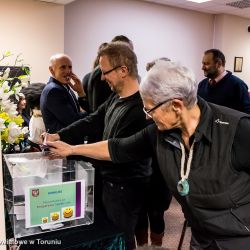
x: 124, y: 185
x: 221, y: 86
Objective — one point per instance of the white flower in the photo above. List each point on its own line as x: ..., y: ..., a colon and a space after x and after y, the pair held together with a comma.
x: 25, y: 130
x: 18, y: 89
x: 25, y: 81
x: 6, y: 74
x: 5, y: 91
x: 14, y: 132
x: 9, y: 107
x: 2, y: 126
x: 6, y: 86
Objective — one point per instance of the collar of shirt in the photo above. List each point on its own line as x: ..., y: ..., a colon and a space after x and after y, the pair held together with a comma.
x: 52, y: 79
x: 135, y: 96
x: 204, y: 127
x: 219, y: 77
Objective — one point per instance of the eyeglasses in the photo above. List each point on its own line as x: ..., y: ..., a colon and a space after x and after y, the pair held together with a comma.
x: 147, y: 112
x: 109, y: 71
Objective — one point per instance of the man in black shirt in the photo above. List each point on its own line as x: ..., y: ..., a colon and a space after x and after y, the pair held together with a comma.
x: 125, y: 185
x: 97, y: 92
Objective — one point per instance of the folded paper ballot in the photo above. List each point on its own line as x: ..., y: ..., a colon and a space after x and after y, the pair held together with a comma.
x: 36, y: 167
x: 17, y: 209
x: 20, y: 216
x: 29, y: 172
x: 51, y: 226
x: 24, y: 167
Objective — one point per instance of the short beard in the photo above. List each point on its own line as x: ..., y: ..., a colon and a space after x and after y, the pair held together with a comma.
x: 212, y: 73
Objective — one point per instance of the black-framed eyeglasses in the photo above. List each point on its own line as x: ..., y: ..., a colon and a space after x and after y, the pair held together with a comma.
x: 148, y: 111
x: 109, y: 71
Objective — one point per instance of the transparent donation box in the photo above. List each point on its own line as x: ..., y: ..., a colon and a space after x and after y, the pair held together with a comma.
x: 43, y: 195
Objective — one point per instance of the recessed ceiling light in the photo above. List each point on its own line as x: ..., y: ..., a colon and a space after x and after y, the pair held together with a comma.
x: 199, y: 1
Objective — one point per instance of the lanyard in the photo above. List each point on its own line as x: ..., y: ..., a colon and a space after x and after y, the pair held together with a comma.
x: 182, y: 185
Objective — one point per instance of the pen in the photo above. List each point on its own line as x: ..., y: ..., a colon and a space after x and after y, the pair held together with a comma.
x: 44, y: 145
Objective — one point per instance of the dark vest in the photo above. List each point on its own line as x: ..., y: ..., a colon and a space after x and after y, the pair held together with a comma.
x: 218, y: 203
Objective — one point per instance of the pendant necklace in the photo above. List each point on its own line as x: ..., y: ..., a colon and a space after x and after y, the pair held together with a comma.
x: 182, y: 185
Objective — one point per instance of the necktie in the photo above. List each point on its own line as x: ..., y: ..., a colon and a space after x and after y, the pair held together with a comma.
x: 212, y: 82
x: 73, y: 98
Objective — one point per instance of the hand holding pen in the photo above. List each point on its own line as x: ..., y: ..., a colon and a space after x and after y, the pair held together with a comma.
x: 44, y: 145
x: 45, y: 137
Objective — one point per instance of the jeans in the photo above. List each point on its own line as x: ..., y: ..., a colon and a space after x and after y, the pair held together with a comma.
x: 123, y: 203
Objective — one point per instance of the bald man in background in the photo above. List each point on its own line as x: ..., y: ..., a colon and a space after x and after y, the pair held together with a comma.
x: 59, y: 105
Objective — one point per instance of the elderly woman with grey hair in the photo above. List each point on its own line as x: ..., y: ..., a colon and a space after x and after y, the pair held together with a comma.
x: 203, y: 154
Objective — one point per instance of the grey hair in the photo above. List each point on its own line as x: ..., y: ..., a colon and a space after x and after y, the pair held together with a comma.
x: 168, y: 80
x: 119, y: 53
x: 149, y: 65
x: 53, y: 58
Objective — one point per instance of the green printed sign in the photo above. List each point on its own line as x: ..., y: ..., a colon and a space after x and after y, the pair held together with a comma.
x: 53, y: 203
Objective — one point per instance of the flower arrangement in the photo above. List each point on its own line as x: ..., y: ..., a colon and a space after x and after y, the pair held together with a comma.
x: 12, y: 132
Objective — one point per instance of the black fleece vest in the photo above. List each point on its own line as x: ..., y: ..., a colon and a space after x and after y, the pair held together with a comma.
x: 218, y: 203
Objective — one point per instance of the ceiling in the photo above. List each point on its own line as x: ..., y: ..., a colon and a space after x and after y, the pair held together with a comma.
x: 233, y: 7
x: 57, y: 1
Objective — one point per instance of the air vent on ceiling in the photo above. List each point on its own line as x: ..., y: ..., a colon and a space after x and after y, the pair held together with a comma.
x: 240, y: 4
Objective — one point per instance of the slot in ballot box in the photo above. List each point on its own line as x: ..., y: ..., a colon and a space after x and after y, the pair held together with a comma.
x: 43, y: 195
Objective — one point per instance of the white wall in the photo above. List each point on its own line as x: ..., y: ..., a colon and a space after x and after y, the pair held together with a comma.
x: 156, y: 31
x: 35, y: 29
x: 234, y: 42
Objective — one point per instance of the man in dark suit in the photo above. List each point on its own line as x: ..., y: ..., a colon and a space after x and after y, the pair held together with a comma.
x: 59, y: 105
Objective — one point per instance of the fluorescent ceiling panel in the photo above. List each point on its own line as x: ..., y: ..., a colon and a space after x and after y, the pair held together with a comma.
x: 199, y: 1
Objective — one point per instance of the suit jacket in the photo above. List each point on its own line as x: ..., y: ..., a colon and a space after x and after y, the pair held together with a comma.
x: 59, y: 106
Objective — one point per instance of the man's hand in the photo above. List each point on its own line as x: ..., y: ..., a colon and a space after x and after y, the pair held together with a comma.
x: 52, y: 156
x: 77, y: 86
x: 44, y: 137
x: 60, y: 148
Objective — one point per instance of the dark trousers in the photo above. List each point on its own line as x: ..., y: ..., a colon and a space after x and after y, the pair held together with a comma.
x: 123, y: 203
x: 158, y: 201
x: 153, y: 218
x: 98, y: 189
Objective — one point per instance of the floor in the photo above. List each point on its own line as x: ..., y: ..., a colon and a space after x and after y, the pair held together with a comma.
x: 174, y: 222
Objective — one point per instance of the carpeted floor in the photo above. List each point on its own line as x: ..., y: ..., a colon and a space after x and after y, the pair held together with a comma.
x: 174, y: 222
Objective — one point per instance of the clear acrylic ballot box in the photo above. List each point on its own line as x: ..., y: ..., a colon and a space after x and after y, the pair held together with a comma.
x: 43, y: 195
